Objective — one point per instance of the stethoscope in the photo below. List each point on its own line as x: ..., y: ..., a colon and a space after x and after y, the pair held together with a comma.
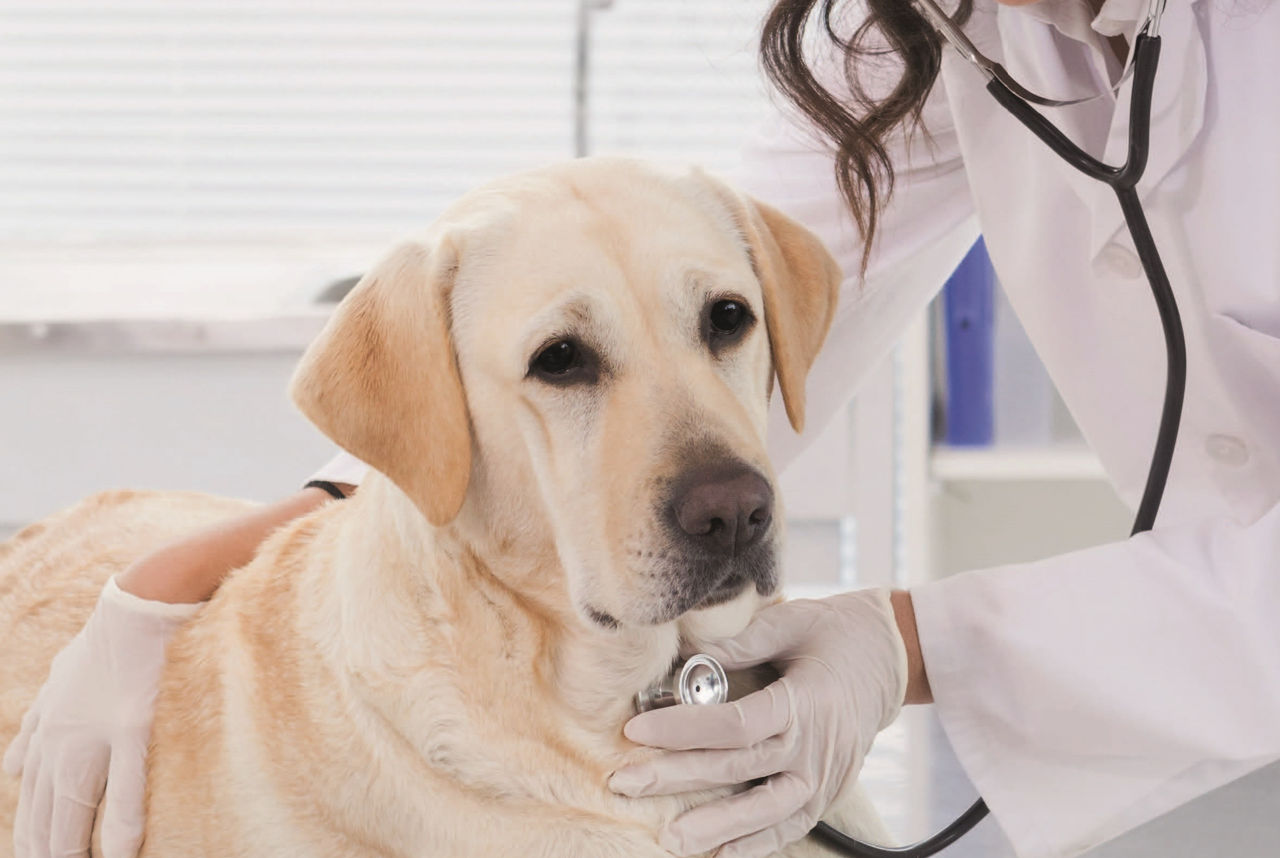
x: 1018, y: 100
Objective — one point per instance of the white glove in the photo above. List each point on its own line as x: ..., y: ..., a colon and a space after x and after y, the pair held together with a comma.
x: 89, y: 728
x: 844, y: 674
x: 342, y: 468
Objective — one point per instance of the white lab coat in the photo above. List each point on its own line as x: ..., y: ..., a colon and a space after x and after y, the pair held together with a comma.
x: 1088, y: 693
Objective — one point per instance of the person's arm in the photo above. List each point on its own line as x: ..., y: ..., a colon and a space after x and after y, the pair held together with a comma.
x: 904, y: 614
x: 191, y: 569
x: 92, y: 717
x: 1088, y: 693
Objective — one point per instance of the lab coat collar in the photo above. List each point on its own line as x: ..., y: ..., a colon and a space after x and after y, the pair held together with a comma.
x: 1072, y: 18
x: 1075, y: 19
x: 1120, y: 17
x: 1177, y: 109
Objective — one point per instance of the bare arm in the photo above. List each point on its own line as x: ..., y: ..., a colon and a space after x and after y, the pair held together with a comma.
x: 191, y: 569
x: 918, y: 690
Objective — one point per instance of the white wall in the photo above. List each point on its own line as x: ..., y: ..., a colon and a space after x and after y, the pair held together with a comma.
x: 81, y: 418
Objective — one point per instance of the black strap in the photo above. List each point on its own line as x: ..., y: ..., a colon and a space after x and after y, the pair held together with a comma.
x: 328, y: 487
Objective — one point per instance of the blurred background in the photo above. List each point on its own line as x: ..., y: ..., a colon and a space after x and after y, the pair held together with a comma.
x: 187, y: 187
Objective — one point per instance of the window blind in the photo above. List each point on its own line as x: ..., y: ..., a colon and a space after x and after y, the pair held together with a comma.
x: 676, y: 80
x: 196, y: 119
x: 269, y: 123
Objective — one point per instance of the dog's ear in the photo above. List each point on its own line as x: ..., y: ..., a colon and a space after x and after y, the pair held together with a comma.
x: 801, y: 284
x: 382, y: 380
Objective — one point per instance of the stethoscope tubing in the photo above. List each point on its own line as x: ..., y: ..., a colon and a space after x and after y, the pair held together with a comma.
x: 958, y: 828
x: 1123, y: 180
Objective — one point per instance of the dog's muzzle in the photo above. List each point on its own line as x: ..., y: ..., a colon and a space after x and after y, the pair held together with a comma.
x: 699, y: 680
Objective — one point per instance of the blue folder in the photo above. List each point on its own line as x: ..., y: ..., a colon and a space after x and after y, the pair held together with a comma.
x: 968, y: 313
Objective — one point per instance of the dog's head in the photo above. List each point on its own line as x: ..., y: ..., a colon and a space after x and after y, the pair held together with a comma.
x: 583, y: 356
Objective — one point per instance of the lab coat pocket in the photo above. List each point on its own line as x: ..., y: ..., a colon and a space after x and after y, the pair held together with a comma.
x: 1262, y: 344
x: 1248, y: 366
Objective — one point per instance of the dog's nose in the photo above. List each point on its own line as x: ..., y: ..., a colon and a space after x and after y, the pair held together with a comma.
x: 725, y: 513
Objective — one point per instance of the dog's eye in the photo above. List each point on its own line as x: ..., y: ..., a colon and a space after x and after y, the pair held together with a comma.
x: 565, y: 362
x: 556, y: 359
x: 725, y: 323
x: 727, y: 317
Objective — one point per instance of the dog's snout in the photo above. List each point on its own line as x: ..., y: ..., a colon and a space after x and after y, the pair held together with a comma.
x: 727, y: 512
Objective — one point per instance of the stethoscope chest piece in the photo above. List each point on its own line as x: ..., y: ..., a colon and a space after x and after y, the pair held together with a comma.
x: 699, y: 680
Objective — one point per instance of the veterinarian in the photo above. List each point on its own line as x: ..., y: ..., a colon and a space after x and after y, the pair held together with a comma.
x: 1084, y: 694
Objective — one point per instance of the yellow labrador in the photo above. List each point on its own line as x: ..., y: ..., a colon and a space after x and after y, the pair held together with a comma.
x: 562, y: 386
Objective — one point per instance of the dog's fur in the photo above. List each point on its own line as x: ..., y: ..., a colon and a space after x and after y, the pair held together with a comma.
x: 442, y: 664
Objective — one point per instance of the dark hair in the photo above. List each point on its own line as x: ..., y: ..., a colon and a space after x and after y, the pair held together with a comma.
x: 858, y: 128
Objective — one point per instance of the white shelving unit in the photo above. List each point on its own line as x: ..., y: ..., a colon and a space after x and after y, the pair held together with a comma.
x: 925, y: 511
x: 959, y: 508
x: 1070, y: 462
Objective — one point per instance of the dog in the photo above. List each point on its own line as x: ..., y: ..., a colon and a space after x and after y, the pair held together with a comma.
x: 561, y: 388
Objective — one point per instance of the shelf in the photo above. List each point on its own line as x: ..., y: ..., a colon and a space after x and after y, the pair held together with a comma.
x: 1005, y: 464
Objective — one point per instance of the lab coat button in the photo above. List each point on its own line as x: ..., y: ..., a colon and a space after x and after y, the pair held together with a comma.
x: 1227, y: 449
x: 1121, y: 260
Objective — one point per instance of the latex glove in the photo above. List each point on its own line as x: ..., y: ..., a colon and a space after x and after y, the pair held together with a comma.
x: 844, y: 674
x: 343, y: 468
x: 88, y: 731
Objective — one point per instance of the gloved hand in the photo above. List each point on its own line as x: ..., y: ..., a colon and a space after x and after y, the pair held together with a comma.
x: 89, y: 728
x: 844, y: 675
